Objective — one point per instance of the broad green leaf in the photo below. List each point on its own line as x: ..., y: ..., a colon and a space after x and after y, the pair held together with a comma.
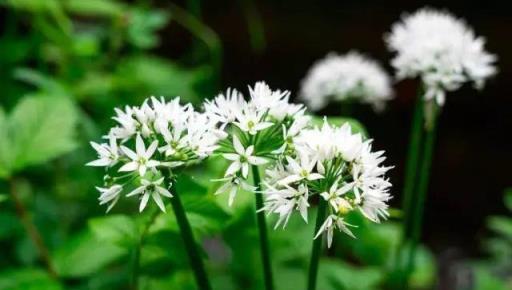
x: 9, y: 224
x: 85, y: 255
x: 43, y: 82
x: 27, y: 279
x: 3, y: 197
x: 424, y: 275
x: 39, y: 129
x: 115, y: 229
x: 356, y: 126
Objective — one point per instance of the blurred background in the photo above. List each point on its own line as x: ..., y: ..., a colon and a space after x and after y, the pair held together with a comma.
x: 65, y: 64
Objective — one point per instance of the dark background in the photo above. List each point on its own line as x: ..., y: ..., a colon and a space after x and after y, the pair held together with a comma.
x: 472, y: 159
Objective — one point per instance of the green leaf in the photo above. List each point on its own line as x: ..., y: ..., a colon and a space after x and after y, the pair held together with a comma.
x: 501, y: 225
x: 115, y: 229
x: 344, y: 276
x: 37, y: 130
x: 3, y: 197
x: 485, y: 280
x: 143, y: 25
x: 85, y: 255
x: 508, y: 198
x: 108, y: 8
x: 356, y: 126
x: 27, y: 279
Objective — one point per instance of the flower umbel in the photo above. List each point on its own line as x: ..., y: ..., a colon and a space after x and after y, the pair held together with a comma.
x: 336, y: 165
x: 440, y: 49
x: 148, y: 144
x: 350, y: 77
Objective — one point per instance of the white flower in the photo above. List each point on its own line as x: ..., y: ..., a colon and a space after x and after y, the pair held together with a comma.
x: 233, y: 185
x: 109, y: 195
x: 108, y: 154
x: 275, y: 103
x: 346, y: 77
x: 141, y: 160
x: 284, y: 201
x: 299, y: 171
x: 335, y: 199
x: 152, y: 189
x: 441, y: 49
x: 242, y: 158
x: 225, y: 107
x: 250, y: 121
x: 333, y: 222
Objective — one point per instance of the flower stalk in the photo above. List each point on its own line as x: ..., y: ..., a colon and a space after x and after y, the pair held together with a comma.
x: 262, y: 231
x: 317, y: 246
x: 31, y: 229
x: 193, y: 251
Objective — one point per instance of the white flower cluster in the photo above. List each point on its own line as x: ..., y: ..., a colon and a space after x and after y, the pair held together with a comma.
x: 259, y: 130
x: 346, y: 77
x: 442, y: 50
x: 146, y: 143
x: 336, y: 165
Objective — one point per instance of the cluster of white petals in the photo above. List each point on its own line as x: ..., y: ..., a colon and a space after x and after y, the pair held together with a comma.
x: 352, y: 77
x: 440, y: 49
x: 148, y: 141
x: 336, y: 165
x: 259, y: 129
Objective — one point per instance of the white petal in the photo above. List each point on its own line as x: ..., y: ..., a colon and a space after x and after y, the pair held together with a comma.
x: 233, y: 168
x: 144, y: 202
x: 163, y: 191
x: 139, y: 146
x: 142, y: 170
x: 132, y: 155
x: 315, y: 176
x: 136, y: 191
x: 257, y: 160
x: 99, y: 162
x: 130, y: 166
x: 151, y: 149
x: 290, y: 179
x: 231, y: 156
x: 158, y: 199
x: 245, y: 169
x: 239, y: 148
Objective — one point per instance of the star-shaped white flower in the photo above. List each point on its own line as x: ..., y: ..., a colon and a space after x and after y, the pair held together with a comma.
x: 242, y: 159
x: 332, y: 222
x: 141, y: 160
x: 250, y: 121
x: 109, y: 195
x: 233, y: 185
x: 300, y: 171
x: 108, y: 155
x: 151, y: 189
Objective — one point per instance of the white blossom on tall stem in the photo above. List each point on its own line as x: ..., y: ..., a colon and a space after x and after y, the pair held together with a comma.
x: 336, y: 165
x: 148, y: 144
x: 349, y: 77
x: 259, y: 130
x: 440, y: 49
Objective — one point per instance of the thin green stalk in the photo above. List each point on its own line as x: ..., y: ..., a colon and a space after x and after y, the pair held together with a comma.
x: 262, y: 230
x: 193, y: 251
x: 254, y: 25
x: 423, y: 181
x: 31, y: 229
x: 408, y: 196
x: 317, y: 246
x: 138, y: 250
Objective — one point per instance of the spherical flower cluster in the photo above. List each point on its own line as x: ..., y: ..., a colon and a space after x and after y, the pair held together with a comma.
x: 440, y: 49
x: 146, y: 145
x: 346, y: 77
x: 336, y: 165
x: 259, y: 130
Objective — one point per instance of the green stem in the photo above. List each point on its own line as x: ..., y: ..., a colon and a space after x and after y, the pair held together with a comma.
x: 191, y: 247
x: 254, y: 25
x: 408, y: 196
x: 317, y: 246
x: 423, y: 181
x: 262, y: 230
x: 138, y: 250
x: 31, y: 229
